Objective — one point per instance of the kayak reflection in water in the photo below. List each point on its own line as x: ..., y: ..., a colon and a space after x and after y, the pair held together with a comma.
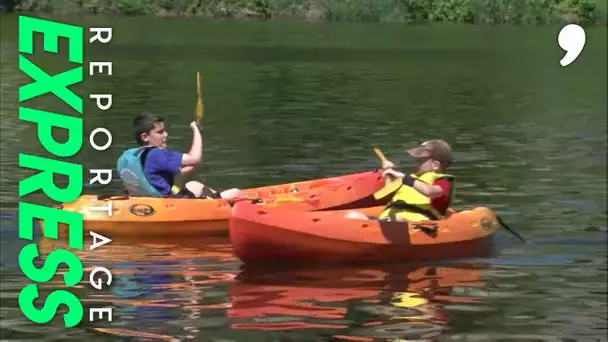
x: 150, y: 169
x: 425, y: 194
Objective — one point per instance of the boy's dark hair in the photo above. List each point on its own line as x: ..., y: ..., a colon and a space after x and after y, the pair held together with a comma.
x: 144, y: 123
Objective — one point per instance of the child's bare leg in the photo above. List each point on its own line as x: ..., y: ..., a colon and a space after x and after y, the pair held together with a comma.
x: 195, y: 187
x: 356, y: 215
x: 198, y: 189
x: 230, y: 193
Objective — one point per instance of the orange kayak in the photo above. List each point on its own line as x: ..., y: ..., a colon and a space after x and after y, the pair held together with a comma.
x: 259, y: 234
x: 146, y: 217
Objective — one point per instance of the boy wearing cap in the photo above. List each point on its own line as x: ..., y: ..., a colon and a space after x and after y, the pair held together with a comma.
x: 425, y: 194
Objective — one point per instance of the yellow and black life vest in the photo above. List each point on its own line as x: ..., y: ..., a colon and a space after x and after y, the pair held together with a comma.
x: 410, y: 205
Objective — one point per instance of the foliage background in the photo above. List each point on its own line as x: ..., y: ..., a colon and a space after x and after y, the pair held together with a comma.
x: 467, y: 11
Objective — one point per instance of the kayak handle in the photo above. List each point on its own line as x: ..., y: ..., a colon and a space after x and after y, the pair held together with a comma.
x: 427, y: 228
x: 232, y: 202
x: 112, y: 197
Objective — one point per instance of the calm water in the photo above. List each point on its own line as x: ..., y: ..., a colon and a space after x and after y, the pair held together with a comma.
x: 287, y: 101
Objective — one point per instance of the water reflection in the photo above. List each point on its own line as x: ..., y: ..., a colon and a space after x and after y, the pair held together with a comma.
x: 388, y: 301
x: 158, y: 290
x: 177, y: 289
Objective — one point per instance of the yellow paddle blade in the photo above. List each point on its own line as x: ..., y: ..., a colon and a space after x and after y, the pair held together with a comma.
x: 390, y: 186
x: 199, y: 103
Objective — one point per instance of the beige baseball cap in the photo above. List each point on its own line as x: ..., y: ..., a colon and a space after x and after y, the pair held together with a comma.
x: 436, y: 149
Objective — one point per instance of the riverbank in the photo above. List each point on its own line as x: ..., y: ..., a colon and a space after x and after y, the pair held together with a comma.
x: 464, y: 11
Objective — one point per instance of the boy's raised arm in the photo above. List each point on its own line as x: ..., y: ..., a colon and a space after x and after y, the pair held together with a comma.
x: 186, y: 169
x: 195, y: 154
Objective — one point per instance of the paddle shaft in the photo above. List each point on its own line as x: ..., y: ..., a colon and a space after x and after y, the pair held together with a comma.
x: 380, y: 155
x: 198, y: 112
x: 502, y: 223
x: 390, y: 184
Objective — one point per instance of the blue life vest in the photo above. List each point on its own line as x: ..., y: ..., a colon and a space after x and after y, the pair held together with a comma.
x: 131, y: 170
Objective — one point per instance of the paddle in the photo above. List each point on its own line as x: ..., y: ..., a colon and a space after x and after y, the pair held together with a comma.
x: 502, y: 223
x: 390, y: 184
x: 198, y: 116
x: 198, y: 112
x: 380, y: 155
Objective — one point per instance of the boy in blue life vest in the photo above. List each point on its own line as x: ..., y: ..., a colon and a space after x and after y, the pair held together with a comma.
x: 426, y: 194
x: 150, y: 169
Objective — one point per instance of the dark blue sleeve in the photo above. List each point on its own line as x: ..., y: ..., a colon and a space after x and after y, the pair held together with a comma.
x: 163, y: 160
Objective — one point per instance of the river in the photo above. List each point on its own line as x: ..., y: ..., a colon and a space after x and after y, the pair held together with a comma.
x: 289, y: 100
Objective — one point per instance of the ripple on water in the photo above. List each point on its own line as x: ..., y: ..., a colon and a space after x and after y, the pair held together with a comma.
x: 400, y: 330
x: 506, y: 337
x: 469, y: 308
x: 506, y: 273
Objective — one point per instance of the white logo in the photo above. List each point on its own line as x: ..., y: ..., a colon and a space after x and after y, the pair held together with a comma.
x: 572, y: 40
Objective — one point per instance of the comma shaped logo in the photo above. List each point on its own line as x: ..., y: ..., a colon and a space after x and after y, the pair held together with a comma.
x: 572, y: 40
